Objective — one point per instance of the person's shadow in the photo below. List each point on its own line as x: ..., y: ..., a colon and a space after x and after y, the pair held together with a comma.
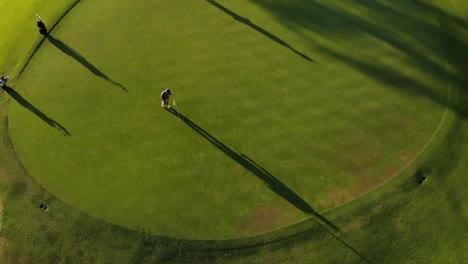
x: 249, y: 23
x: 82, y: 60
x: 23, y: 102
x: 272, y: 182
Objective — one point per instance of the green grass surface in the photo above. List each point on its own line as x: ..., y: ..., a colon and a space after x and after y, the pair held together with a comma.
x: 400, y: 222
x: 21, y: 32
x: 320, y: 131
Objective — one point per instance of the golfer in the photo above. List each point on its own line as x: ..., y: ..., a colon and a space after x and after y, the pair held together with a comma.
x: 3, y: 81
x: 165, y: 95
x: 41, y: 25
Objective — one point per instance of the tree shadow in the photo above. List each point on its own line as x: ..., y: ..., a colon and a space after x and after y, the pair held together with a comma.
x: 430, y: 39
x: 448, y: 30
x: 272, y: 182
x: 82, y: 60
x: 454, y: 36
x: 23, y: 102
x: 259, y: 29
x: 395, y: 79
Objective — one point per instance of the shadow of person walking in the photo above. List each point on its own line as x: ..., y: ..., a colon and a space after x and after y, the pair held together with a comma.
x: 249, y: 23
x: 82, y: 60
x: 23, y: 102
x: 272, y: 182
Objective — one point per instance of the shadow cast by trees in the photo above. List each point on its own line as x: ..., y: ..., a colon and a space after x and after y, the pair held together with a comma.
x: 82, y: 60
x: 259, y: 29
x: 23, y: 102
x: 435, y: 41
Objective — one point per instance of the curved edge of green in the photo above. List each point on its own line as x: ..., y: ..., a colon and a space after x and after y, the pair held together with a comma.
x: 293, y: 228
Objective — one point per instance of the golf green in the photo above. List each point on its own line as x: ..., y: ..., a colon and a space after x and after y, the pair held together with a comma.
x: 272, y: 125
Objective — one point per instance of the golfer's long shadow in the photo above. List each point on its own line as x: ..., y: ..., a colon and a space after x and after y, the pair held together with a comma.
x: 249, y: 23
x: 23, y: 102
x: 77, y: 56
x: 273, y: 183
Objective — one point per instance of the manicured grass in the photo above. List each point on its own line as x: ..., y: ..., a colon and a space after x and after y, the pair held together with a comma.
x: 400, y: 222
x: 295, y: 128
x: 22, y: 36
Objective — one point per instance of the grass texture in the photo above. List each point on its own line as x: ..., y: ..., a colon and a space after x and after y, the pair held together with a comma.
x: 418, y: 57
x: 277, y: 125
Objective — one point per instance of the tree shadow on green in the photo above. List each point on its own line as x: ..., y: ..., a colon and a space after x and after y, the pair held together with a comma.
x: 249, y: 23
x: 23, y: 102
x: 456, y: 48
x: 82, y: 60
x: 272, y: 182
x: 429, y: 39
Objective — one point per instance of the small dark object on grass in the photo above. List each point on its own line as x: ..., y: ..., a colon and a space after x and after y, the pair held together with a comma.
x: 43, y: 207
x: 421, y: 174
x: 422, y: 179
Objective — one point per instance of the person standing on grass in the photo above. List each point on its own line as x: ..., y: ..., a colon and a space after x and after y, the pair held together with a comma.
x: 42, y: 27
x: 165, y: 95
x: 3, y: 80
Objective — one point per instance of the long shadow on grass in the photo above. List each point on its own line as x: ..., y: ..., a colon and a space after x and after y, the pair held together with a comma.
x: 23, y: 102
x: 249, y: 23
x: 82, y: 60
x: 273, y: 183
